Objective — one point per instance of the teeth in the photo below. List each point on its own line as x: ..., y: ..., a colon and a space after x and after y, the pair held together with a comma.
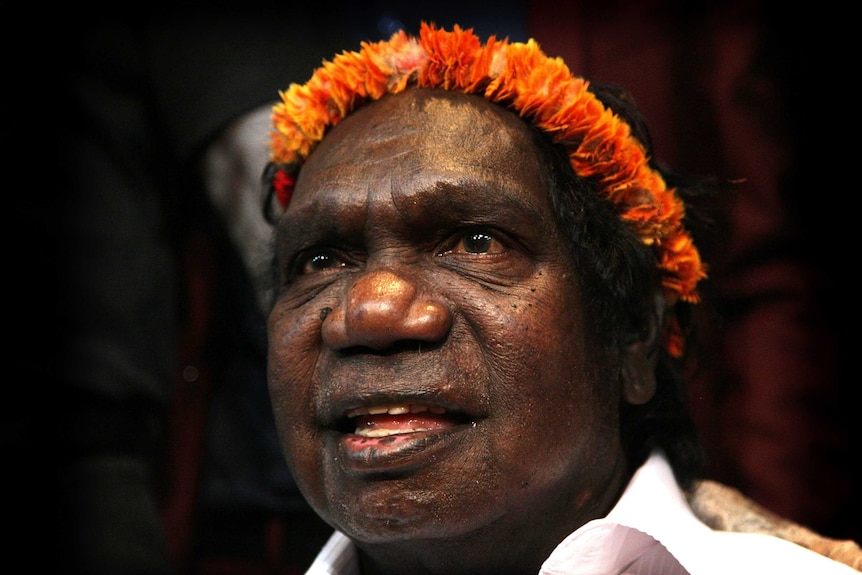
x: 395, y: 409
x: 392, y: 409
x: 385, y: 432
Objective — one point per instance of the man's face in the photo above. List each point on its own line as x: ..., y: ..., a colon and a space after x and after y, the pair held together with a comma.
x: 429, y: 367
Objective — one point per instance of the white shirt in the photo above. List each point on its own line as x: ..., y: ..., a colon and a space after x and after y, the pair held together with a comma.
x: 650, y: 531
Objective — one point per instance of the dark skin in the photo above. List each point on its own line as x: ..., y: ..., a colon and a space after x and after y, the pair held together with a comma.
x: 422, y: 272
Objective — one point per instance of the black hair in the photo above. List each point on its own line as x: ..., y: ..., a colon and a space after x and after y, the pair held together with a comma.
x: 619, y: 278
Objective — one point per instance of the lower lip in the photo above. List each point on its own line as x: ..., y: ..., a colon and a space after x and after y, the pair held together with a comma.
x: 398, y: 452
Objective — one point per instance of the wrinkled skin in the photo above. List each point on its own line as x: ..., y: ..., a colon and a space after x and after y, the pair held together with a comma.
x: 421, y: 266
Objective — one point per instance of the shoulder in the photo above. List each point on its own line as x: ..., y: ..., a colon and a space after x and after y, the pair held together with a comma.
x: 728, y: 511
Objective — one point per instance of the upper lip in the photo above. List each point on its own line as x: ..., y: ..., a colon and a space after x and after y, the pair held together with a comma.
x: 363, y: 381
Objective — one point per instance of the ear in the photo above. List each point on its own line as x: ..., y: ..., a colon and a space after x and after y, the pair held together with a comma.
x: 640, y: 356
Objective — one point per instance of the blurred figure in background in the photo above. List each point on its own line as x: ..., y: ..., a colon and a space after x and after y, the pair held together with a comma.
x: 164, y: 418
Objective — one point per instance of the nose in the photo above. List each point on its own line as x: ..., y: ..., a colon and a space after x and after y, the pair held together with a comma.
x: 383, y: 308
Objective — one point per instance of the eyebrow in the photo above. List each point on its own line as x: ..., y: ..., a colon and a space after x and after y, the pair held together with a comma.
x: 495, y: 202
x: 298, y: 229
x: 312, y: 221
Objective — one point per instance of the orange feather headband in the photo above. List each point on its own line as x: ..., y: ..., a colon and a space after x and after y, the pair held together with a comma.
x: 521, y: 77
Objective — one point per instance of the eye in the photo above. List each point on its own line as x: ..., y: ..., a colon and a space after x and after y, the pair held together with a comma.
x: 317, y: 261
x: 477, y: 242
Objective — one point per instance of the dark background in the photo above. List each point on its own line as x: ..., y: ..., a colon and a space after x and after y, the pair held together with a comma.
x: 146, y: 283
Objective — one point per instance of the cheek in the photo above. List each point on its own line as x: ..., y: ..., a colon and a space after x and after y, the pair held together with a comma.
x: 537, y: 343
x: 291, y: 377
x: 559, y: 415
x: 291, y: 360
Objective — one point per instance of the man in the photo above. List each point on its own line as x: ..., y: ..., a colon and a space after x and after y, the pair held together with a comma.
x: 482, y: 280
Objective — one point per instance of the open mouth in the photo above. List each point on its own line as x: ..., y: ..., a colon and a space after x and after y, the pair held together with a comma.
x: 393, y: 434
x: 398, y: 418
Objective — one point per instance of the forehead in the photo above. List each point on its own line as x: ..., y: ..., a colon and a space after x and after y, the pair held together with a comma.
x: 420, y: 135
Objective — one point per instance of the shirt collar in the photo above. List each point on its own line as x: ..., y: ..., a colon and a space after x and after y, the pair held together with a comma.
x: 338, y: 557
x: 632, y: 538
